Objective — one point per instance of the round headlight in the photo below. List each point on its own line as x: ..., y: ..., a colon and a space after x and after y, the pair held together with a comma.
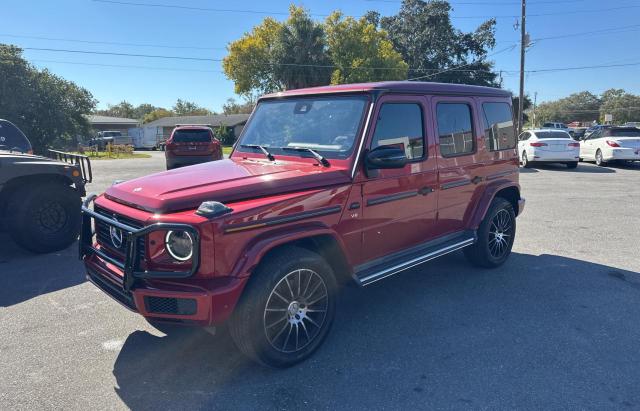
x: 179, y: 245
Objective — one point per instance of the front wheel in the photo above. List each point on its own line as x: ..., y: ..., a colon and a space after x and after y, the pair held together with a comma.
x: 287, y: 308
x: 495, y: 236
x: 45, y: 217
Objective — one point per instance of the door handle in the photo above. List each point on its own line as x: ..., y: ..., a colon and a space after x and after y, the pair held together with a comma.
x: 476, y: 179
x: 425, y: 190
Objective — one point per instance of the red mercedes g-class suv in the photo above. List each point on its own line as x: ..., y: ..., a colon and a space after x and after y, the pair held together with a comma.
x: 351, y: 182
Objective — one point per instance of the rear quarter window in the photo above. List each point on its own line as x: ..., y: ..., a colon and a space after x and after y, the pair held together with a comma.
x: 498, y: 124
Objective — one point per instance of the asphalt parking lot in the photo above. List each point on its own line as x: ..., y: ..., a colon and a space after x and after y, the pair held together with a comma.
x: 555, y: 327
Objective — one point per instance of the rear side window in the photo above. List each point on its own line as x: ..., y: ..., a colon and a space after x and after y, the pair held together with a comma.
x: 191, y: 136
x: 455, y: 132
x: 11, y: 137
x: 498, y: 124
x: 621, y: 132
x: 400, y: 125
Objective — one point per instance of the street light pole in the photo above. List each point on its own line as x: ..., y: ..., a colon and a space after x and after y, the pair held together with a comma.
x: 523, y: 45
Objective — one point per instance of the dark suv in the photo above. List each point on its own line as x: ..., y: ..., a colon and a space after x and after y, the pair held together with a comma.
x: 39, y: 196
x: 190, y: 145
x: 350, y: 183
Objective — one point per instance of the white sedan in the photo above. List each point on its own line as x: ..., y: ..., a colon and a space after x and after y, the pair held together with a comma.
x: 549, y: 146
x: 611, y: 144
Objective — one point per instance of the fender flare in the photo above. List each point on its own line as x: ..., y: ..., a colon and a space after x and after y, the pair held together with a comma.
x: 490, y: 192
x: 260, y: 246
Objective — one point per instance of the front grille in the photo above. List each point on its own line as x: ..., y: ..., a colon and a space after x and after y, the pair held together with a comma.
x: 115, y: 291
x: 103, y: 234
x: 164, y: 305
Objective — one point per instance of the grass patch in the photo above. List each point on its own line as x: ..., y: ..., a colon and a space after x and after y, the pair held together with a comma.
x: 103, y: 155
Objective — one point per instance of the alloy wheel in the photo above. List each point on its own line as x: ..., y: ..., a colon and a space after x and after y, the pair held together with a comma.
x: 500, y: 234
x: 296, y: 310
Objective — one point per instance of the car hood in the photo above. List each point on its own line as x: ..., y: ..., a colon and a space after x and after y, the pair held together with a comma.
x: 225, y: 181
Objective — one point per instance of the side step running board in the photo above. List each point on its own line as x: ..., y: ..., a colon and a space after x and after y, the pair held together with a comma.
x: 396, y: 265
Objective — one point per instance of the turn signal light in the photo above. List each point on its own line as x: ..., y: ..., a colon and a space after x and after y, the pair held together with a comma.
x: 612, y: 143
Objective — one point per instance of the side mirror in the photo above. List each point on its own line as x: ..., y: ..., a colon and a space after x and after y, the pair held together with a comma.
x: 385, y: 157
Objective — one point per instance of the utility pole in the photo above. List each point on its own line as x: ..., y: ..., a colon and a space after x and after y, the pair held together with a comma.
x: 535, y: 101
x: 523, y: 46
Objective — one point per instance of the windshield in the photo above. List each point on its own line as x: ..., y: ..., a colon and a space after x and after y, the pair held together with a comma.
x: 552, y: 134
x: 325, y: 124
x: 12, y: 138
x: 192, y: 136
x: 112, y: 134
x: 621, y: 132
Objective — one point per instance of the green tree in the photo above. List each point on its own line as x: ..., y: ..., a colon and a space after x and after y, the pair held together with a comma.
x: 583, y: 107
x: 622, y: 105
x: 279, y: 56
x: 47, y: 108
x: 361, y: 52
x: 144, y: 109
x: 233, y: 107
x: 525, y: 107
x: 156, y: 114
x: 123, y: 109
x: 224, y: 134
x: 188, y: 108
x: 423, y: 34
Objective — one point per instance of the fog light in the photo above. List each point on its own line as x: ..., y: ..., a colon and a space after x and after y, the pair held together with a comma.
x: 179, y: 245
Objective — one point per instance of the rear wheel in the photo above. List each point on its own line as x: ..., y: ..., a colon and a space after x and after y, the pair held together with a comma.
x: 599, y: 159
x: 525, y: 161
x: 495, y: 236
x: 287, y: 308
x: 44, y: 217
x: 572, y: 165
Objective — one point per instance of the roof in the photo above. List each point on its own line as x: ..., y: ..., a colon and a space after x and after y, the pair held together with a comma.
x: 399, y: 86
x: 215, y: 120
x: 93, y: 119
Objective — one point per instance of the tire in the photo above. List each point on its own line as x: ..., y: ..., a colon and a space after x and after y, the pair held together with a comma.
x: 170, y: 166
x: 281, y: 294
x: 490, y: 250
x: 45, y: 217
x: 572, y: 165
x: 525, y: 161
x: 599, y: 160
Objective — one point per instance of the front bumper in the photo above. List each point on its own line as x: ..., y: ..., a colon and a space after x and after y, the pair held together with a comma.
x: 166, y: 295
x: 131, y: 267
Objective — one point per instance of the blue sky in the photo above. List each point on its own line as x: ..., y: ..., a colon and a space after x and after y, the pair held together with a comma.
x: 161, y: 81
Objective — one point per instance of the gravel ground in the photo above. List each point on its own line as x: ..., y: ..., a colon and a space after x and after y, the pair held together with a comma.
x: 555, y: 327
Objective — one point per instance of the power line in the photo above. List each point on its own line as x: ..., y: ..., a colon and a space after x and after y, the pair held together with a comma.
x: 194, y: 8
x: 463, y: 65
x: 488, y: 3
x: 454, y: 68
x: 157, y: 56
x: 263, y: 12
x: 109, y: 42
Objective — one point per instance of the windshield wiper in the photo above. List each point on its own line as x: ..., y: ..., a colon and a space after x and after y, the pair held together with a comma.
x: 315, y: 154
x: 261, y: 148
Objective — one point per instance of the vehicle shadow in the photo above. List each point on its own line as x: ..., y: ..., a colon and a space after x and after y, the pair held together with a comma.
x: 24, y: 275
x: 524, y: 170
x: 582, y: 168
x: 443, y: 335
